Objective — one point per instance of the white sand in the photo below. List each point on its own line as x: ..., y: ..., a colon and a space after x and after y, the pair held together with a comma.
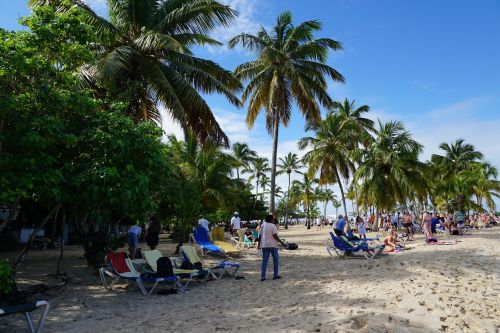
x: 426, y: 289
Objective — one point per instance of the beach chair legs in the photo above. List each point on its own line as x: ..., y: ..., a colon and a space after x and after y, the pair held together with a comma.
x: 40, y: 326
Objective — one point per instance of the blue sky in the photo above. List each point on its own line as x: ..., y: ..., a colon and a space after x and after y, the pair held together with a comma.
x: 435, y: 65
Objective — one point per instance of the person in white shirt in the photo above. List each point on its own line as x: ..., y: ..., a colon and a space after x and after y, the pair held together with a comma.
x: 203, y: 222
x: 268, y: 242
x: 235, y: 223
x: 132, y: 236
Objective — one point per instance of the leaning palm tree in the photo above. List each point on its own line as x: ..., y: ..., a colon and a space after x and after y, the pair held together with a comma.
x: 290, y: 67
x: 242, y: 156
x: 144, y: 58
x: 486, y: 186
x: 290, y: 164
x: 390, y: 171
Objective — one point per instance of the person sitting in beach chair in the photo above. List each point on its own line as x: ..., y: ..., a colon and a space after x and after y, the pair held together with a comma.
x: 339, y: 226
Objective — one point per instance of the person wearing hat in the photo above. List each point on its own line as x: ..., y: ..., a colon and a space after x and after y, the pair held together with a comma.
x: 203, y: 222
x: 235, y: 223
x: 339, y: 226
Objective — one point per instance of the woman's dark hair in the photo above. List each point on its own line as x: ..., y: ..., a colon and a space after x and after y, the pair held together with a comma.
x: 269, y: 218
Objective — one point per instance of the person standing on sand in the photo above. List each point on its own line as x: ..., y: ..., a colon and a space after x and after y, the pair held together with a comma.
x: 426, y: 225
x: 408, y: 225
x: 132, y: 237
x: 235, y: 223
x: 360, y: 224
x: 203, y: 222
x: 268, y: 241
x: 153, y: 232
x: 459, y: 218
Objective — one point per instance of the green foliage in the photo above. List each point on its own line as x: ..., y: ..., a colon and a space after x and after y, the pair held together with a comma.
x: 6, y: 280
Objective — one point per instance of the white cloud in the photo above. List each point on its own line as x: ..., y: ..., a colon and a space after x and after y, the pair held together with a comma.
x: 246, y: 21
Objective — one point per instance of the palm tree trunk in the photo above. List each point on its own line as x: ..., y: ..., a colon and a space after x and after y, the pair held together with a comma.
x: 276, y: 124
x: 287, y: 201
x: 341, y: 192
x: 238, y: 173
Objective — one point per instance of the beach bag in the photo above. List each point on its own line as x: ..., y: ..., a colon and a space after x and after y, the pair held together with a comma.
x: 455, y: 232
x: 164, y: 267
x: 291, y: 246
x: 187, y: 265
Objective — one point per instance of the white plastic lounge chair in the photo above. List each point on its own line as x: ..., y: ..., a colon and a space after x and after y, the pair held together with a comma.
x: 26, y: 309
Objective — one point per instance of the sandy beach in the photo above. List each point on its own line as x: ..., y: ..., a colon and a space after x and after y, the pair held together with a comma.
x: 439, y: 288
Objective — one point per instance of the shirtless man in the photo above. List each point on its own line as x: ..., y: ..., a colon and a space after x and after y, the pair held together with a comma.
x: 391, y: 240
x: 426, y: 225
x: 408, y: 225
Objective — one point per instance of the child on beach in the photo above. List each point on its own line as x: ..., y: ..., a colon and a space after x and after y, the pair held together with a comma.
x: 360, y: 224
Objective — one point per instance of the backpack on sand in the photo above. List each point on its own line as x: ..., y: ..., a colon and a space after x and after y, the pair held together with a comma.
x: 291, y: 246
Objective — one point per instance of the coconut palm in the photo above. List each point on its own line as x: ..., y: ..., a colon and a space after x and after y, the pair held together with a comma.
x: 331, y: 148
x: 349, y: 111
x: 306, y: 194
x: 390, y: 171
x: 242, y: 156
x: 336, y: 204
x: 486, y: 186
x: 257, y: 169
x: 144, y: 54
x: 290, y: 164
x: 458, y: 157
x: 290, y: 67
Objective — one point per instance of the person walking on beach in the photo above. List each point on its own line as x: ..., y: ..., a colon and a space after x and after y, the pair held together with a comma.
x: 426, y: 225
x: 268, y: 241
x: 459, y: 218
x: 360, y: 224
x: 132, y: 237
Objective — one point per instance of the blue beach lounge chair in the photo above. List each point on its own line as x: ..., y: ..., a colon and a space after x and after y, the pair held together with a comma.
x: 200, y: 237
x: 343, y: 248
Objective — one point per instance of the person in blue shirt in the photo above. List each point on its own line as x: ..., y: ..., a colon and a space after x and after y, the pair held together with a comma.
x: 435, y: 221
x: 339, y: 226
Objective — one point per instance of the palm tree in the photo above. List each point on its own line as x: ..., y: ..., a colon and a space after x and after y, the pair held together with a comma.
x: 306, y: 194
x: 486, y: 186
x: 348, y: 110
x: 291, y: 163
x: 327, y: 196
x: 264, y: 183
x: 258, y: 169
x: 458, y: 157
x: 145, y: 60
x: 290, y: 67
x: 331, y: 148
x: 242, y: 156
x: 337, y: 205
x: 390, y: 171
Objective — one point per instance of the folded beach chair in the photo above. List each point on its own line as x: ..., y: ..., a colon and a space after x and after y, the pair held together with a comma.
x: 200, y: 237
x: 343, y: 248
x: 188, y: 275
x: 217, y: 271
x: 242, y: 240
x: 219, y: 240
x: 26, y: 309
x: 123, y: 269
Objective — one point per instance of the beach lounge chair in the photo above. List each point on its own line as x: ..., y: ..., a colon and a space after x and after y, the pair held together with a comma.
x: 26, y: 309
x: 217, y: 271
x: 219, y: 240
x: 188, y: 275
x: 123, y: 269
x: 344, y: 248
x: 200, y: 237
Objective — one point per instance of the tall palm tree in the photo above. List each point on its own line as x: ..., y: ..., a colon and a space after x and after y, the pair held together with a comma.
x: 242, y: 156
x: 258, y: 168
x: 348, y: 110
x: 336, y: 204
x: 328, y: 196
x: 290, y: 67
x: 331, y: 147
x: 264, y: 184
x: 144, y: 56
x: 306, y: 194
x: 290, y: 164
x: 390, y: 171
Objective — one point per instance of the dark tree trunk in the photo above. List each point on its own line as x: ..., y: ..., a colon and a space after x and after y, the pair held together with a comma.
x: 28, y: 245
x: 276, y: 123
x: 287, y: 201
x: 61, y: 254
